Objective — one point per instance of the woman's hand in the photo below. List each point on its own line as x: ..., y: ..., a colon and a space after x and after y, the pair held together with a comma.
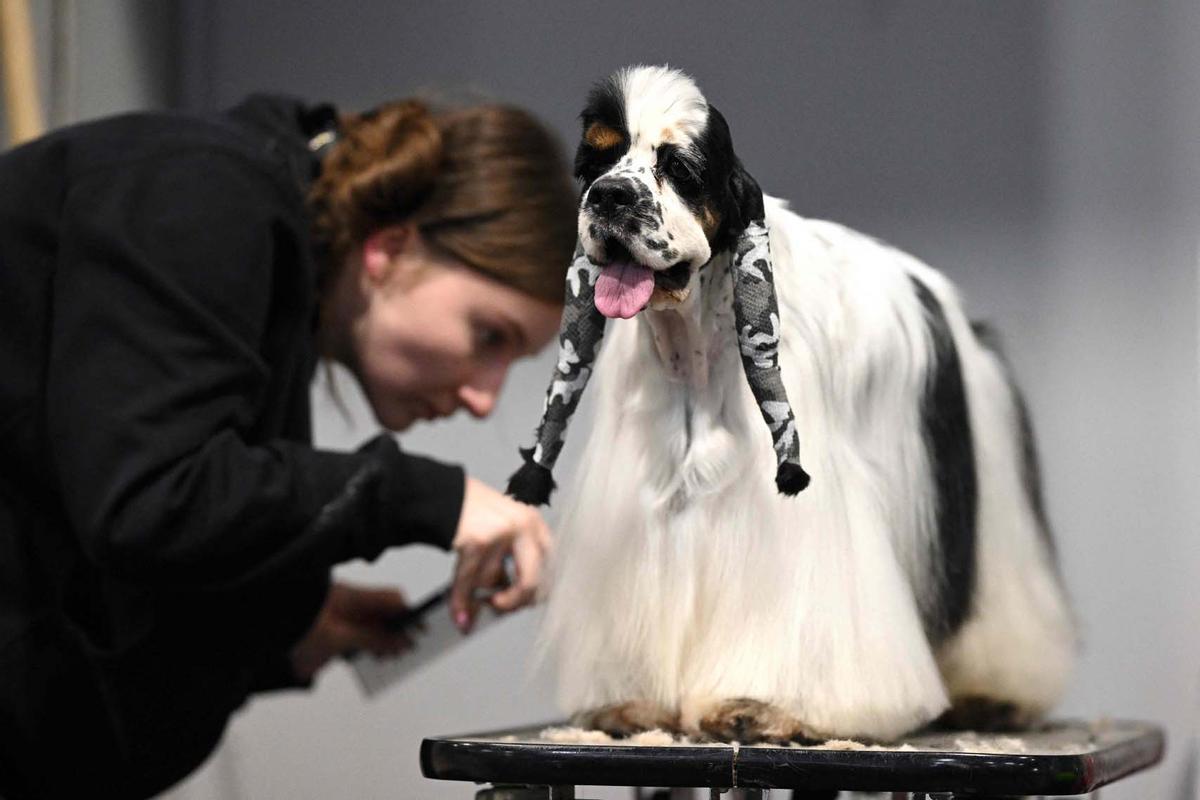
x: 353, y: 618
x: 491, y: 529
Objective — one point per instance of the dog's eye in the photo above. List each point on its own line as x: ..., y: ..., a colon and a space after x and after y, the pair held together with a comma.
x: 677, y: 169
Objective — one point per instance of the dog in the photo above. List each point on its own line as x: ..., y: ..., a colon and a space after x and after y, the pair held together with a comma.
x: 913, y: 581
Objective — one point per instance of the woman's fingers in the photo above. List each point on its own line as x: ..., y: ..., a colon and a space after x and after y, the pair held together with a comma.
x: 491, y: 528
x: 491, y: 574
x: 527, y: 555
x: 466, y: 578
x: 494, y: 574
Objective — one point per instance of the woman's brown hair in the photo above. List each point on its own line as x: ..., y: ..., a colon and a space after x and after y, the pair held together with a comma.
x: 487, y: 184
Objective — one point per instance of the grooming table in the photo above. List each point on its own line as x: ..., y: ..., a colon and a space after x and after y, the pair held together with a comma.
x: 1061, y: 758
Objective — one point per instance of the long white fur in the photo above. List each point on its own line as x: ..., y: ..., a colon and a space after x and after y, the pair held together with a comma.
x: 682, y: 577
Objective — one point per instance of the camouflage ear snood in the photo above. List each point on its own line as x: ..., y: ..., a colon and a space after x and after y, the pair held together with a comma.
x: 757, y: 316
x: 756, y: 313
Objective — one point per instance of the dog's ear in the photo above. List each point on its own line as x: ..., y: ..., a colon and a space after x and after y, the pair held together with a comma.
x: 741, y: 198
x: 745, y: 196
x: 579, y: 340
x: 755, y: 307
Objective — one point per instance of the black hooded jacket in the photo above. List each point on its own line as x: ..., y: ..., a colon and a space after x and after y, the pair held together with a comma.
x: 166, y: 527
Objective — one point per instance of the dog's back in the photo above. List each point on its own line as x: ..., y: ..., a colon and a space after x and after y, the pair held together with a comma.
x: 980, y: 561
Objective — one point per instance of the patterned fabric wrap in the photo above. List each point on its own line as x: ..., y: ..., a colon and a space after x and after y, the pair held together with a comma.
x: 578, y: 340
x: 756, y: 313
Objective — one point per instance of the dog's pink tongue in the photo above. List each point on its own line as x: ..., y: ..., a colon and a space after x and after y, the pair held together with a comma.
x: 623, y: 289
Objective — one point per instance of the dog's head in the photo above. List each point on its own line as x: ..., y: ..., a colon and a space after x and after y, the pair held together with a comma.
x: 662, y: 188
x: 662, y: 192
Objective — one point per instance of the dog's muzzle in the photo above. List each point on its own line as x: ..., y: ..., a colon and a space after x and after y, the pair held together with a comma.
x: 609, y: 198
x: 622, y: 221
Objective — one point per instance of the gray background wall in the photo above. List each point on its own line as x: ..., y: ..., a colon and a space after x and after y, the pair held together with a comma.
x: 105, y: 56
x: 1043, y: 155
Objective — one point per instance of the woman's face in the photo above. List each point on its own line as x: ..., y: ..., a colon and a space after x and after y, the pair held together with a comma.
x: 431, y: 335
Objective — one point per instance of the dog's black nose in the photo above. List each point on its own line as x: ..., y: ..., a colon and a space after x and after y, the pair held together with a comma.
x: 610, y: 195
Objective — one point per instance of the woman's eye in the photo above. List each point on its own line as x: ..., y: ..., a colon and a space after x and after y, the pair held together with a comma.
x: 489, y: 339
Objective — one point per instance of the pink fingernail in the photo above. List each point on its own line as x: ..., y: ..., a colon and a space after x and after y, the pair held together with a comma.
x: 461, y: 619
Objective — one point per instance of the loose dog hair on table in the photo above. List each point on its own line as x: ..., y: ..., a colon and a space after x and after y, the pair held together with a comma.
x: 913, y: 579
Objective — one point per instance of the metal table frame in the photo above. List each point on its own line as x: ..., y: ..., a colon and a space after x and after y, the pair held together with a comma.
x: 1062, y: 759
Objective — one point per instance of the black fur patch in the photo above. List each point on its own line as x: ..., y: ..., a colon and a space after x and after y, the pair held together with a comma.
x: 946, y: 425
x: 674, y: 278
x: 684, y: 171
x: 727, y: 187
x: 1031, y: 473
x: 606, y: 105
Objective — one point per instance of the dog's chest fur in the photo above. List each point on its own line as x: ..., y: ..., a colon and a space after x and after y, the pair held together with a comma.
x: 692, y: 336
x: 688, y: 364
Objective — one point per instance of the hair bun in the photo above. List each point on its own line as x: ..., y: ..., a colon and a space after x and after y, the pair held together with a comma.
x: 485, y: 185
x: 382, y: 168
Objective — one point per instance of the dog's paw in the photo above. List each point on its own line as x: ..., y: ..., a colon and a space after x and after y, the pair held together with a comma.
x: 985, y: 714
x: 628, y: 718
x: 748, y: 721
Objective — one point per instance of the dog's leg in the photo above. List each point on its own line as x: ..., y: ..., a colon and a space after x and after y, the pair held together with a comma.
x: 985, y: 714
x: 626, y: 719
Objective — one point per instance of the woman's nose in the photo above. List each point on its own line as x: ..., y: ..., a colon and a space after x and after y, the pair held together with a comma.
x: 479, y: 403
x: 479, y: 395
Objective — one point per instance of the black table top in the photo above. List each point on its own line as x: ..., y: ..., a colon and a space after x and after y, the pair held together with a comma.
x: 1061, y: 758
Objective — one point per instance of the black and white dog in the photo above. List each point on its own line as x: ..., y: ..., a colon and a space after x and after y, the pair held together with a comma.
x: 914, y: 577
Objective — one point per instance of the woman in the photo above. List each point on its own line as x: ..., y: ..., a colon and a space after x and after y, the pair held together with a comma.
x: 167, y: 286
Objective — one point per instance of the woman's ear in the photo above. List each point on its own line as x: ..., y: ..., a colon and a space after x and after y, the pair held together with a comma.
x: 381, y: 252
